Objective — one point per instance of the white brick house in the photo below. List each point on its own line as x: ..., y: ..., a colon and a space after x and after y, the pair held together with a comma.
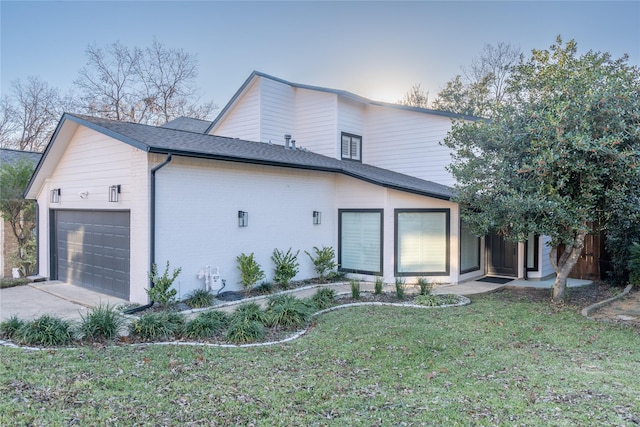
x: 115, y: 197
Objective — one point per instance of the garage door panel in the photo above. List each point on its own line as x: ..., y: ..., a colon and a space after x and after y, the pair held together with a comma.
x: 93, y: 250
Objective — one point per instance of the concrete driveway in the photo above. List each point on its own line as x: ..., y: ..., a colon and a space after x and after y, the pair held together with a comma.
x: 54, y: 298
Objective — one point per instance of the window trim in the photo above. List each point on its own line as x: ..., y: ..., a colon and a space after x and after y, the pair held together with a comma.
x: 351, y: 136
x: 447, y: 270
x: 536, y: 249
x: 479, y: 265
x: 380, y: 261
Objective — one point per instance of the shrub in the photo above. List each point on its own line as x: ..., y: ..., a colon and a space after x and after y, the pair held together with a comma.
x: 45, y: 330
x: 249, y: 311
x: 265, y: 288
x: 287, y: 311
x: 244, y: 330
x: 250, y: 271
x: 377, y: 285
x: 206, y: 324
x: 336, y: 276
x: 435, y: 300
x: 103, y: 322
x: 157, y: 326
x: 400, y: 288
x: 634, y: 264
x: 323, y: 260
x: 355, y: 289
x: 9, y: 283
x: 9, y: 327
x: 161, y: 291
x: 425, y: 286
x: 200, y: 298
x: 286, y: 266
x: 323, y: 298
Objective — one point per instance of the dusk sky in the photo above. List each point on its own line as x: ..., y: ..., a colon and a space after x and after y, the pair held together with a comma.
x: 374, y: 49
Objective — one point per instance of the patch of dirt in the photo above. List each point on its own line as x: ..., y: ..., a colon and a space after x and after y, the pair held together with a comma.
x: 625, y: 310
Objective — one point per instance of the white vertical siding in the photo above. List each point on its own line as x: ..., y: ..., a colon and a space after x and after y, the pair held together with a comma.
x: 92, y: 162
x: 408, y: 142
x: 243, y: 120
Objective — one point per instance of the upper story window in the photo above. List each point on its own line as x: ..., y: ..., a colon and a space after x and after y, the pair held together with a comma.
x: 351, y: 147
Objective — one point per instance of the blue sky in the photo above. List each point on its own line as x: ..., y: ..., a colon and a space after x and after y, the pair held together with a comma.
x: 374, y: 49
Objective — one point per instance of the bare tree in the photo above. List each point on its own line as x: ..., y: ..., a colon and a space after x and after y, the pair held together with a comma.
x: 416, y: 97
x: 495, y: 65
x: 149, y: 86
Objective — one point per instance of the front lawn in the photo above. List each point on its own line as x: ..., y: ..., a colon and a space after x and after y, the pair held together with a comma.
x: 499, y: 361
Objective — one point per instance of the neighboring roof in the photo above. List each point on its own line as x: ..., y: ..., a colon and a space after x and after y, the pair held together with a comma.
x: 14, y: 156
x: 338, y: 92
x: 164, y: 140
x: 188, y: 124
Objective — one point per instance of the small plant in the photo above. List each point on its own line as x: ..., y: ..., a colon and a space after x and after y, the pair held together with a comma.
x: 430, y: 300
x: 335, y: 276
x: 103, y: 322
x: 9, y: 283
x: 323, y: 298
x: 425, y: 286
x: 400, y: 288
x: 250, y: 311
x: 242, y: 331
x: 634, y: 264
x: 323, y: 260
x: 45, y: 330
x: 9, y: 327
x: 250, y: 271
x: 265, y: 288
x: 157, y: 326
x: 199, y: 298
x: 355, y: 289
x: 377, y: 285
x: 161, y: 291
x: 287, y: 311
x: 205, y: 325
x: 286, y: 266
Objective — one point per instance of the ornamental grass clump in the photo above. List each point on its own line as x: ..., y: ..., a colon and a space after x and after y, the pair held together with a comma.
x: 243, y: 330
x: 425, y: 286
x: 377, y: 285
x: 9, y: 327
x: 160, y: 325
x: 323, y: 298
x: 400, y: 288
x: 286, y: 266
x: 101, y: 323
x: 287, y: 311
x: 355, y: 289
x: 46, y: 331
x: 199, y: 298
x: 205, y: 325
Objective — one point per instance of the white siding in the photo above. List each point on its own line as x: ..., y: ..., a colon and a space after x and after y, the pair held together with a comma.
x: 408, y: 142
x: 243, y: 120
x: 351, y: 119
x: 92, y: 162
x: 276, y: 111
x: 316, y: 127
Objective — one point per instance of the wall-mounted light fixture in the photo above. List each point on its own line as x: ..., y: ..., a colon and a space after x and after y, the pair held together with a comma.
x: 114, y: 193
x: 317, y: 217
x: 243, y: 219
x: 55, y: 196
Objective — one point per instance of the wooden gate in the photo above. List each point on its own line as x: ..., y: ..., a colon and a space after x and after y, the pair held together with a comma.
x: 588, y: 266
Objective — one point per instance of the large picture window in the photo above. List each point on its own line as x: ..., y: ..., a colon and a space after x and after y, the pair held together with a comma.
x: 469, y: 249
x: 351, y: 147
x: 360, y: 244
x: 422, y: 242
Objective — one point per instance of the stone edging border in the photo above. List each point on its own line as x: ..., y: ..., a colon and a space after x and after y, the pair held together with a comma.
x: 462, y: 302
x: 586, y: 312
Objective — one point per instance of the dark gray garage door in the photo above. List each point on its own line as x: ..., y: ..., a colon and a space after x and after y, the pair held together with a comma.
x: 91, y: 250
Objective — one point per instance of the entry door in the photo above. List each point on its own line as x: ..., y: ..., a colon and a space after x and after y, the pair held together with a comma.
x: 502, y: 256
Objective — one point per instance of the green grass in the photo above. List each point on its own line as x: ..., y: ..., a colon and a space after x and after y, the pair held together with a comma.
x: 492, y: 363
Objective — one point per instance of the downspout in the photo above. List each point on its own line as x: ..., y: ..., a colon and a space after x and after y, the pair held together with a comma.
x: 152, y: 229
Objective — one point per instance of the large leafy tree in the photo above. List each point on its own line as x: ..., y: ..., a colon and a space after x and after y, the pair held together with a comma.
x: 559, y: 159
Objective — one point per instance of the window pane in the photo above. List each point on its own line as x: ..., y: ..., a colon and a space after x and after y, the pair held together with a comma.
x: 469, y: 249
x: 355, y: 148
x: 346, y: 146
x: 422, y: 242
x: 531, y: 252
x: 360, y: 241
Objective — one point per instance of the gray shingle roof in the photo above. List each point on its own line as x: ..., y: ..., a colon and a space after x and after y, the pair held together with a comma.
x: 188, y: 124
x: 165, y: 140
x: 14, y: 156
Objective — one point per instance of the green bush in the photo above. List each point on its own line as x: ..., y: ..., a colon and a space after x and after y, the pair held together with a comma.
x: 244, y: 330
x: 156, y: 326
x: 9, y: 283
x: 199, y: 298
x: 161, y: 291
x: 377, y: 285
x: 323, y: 298
x: 355, y: 289
x: 103, y: 322
x: 286, y: 266
x: 9, y: 327
x: 634, y: 264
x: 425, y: 286
x: 265, y: 288
x: 206, y: 324
x: 287, y: 311
x: 250, y: 271
x: 323, y: 260
x: 249, y: 311
x: 400, y: 288
x: 46, y: 331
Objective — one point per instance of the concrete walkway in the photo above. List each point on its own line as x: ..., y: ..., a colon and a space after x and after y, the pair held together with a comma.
x: 72, y: 302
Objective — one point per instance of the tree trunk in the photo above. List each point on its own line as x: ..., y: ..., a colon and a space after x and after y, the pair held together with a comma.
x: 565, y: 264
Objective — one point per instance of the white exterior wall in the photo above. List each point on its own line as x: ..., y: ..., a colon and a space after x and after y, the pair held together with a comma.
x: 408, y: 142
x: 92, y: 162
x: 243, y: 120
x: 351, y: 119
x: 276, y: 111
x: 197, y: 217
x: 316, y: 127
